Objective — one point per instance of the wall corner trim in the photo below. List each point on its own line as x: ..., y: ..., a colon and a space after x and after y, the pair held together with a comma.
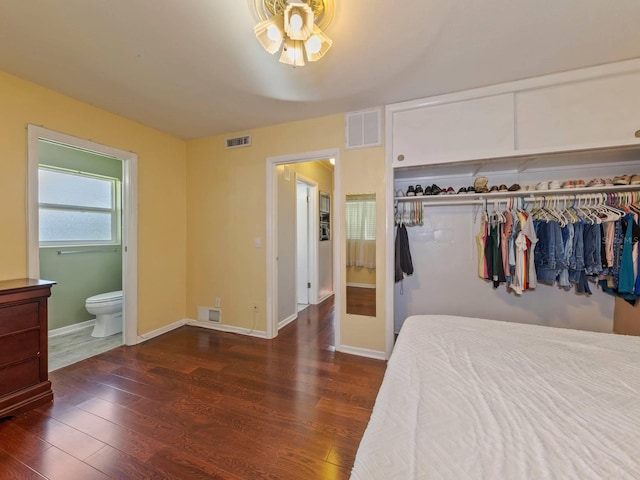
x: 362, y: 352
x: 160, y: 331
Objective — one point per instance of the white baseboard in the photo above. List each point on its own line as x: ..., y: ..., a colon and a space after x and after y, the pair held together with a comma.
x: 287, y: 321
x: 361, y: 285
x: 72, y: 328
x: 324, y: 297
x: 225, y: 328
x: 160, y: 331
x: 362, y: 352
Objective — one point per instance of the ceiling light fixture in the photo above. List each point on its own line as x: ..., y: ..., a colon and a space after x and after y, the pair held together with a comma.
x: 298, y: 25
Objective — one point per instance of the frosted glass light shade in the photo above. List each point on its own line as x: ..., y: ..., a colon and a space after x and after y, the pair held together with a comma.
x: 292, y: 53
x: 298, y: 21
x: 317, y: 45
x: 270, y: 33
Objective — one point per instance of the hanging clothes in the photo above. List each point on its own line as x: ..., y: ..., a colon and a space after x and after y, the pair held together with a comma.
x: 481, y: 241
x: 403, y: 262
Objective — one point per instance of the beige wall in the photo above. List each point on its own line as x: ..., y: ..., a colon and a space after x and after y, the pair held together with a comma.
x: 224, y: 201
x: 161, y: 191
x: 226, y: 211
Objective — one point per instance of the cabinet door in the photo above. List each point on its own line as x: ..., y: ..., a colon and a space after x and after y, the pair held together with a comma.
x: 478, y: 128
x: 594, y: 113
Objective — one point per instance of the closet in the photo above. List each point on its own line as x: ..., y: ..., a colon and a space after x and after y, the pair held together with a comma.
x: 579, y: 125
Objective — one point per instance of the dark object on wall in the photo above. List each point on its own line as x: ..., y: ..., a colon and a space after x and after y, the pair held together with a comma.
x: 404, y: 264
x: 325, y: 217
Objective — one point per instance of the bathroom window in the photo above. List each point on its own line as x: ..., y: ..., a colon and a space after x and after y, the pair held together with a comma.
x: 78, y: 208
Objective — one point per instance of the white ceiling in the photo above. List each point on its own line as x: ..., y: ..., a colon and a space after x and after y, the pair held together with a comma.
x: 194, y: 68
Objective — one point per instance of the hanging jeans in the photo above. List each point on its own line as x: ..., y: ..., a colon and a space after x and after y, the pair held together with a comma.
x: 549, y: 257
x: 567, y: 233
x: 592, y: 249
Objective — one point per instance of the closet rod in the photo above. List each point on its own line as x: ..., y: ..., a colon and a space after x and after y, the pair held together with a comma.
x: 451, y: 200
x: 528, y: 195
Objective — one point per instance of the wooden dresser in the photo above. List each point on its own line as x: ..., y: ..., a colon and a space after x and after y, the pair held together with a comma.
x: 24, y: 376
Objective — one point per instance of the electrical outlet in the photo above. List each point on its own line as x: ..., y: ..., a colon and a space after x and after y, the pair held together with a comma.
x: 217, y: 302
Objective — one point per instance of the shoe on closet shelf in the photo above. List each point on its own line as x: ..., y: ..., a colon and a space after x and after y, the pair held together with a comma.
x: 471, y: 189
x: 554, y: 185
x: 514, y: 188
x: 569, y: 184
x: 635, y: 180
x: 596, y: 182
x: 480, y: 183
x: 419, y: 191
x: 503, y: 188
x: 621, y: 180
x: 462, y: 190
x: 399, y: 193
x: 435, y: 189
x: 411, y: 192
x: 542, y: 186
x: 427, y: 190
x: 450, y: 191
x: 580, y: 184
x: 493, y: 189
x: 608, y: 182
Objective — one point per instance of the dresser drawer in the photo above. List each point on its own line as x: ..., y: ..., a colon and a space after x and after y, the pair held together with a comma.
x: 19, y: 375
x: 20, y: 346
x: 18, y: 317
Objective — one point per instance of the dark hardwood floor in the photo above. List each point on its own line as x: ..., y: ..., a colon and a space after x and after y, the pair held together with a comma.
x: 201, y: 404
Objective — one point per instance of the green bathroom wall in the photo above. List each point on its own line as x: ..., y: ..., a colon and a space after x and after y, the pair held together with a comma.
x: 79, y: 275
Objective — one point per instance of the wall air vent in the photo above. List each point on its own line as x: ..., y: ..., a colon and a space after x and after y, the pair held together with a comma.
x: 237, y: 142
x: 363, y: 129
x: 209, y: 314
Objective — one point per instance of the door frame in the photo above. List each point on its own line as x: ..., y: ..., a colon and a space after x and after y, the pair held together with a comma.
x: 312, y: 246
x: 272, y: 237
x: 129, y: 216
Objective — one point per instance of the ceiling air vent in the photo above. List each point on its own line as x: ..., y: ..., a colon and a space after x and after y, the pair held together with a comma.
x: 363, y: 129
x: 237, y: 142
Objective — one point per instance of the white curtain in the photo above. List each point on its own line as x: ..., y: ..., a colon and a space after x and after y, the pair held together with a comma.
x: 361, y: 230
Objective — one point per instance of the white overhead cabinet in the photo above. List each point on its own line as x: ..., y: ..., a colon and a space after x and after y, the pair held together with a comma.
x: 454, y: 131
x: 601, y: 112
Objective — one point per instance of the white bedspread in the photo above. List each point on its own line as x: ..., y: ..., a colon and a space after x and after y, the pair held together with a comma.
x: 465, y: 398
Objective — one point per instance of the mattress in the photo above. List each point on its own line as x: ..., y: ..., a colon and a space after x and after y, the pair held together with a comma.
x: 467, y: 398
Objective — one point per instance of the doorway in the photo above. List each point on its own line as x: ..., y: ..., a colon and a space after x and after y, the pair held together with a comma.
x: 113, y: 237
x: 282, y: 289
x: 306, y: 255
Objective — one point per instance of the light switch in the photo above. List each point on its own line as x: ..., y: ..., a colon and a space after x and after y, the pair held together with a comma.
x: 257, y: 242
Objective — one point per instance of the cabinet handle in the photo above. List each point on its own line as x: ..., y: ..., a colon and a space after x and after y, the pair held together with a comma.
x: 401, y: 157
x: 637, y: 133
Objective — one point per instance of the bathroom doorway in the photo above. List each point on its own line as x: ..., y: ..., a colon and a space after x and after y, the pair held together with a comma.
x: 80, y: 235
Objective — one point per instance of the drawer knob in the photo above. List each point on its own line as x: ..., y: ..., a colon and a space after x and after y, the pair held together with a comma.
x: 637, y: 133
x: 401, y: 157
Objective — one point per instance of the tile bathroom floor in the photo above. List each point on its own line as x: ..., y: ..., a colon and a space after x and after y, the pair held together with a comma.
x: 75, y: 346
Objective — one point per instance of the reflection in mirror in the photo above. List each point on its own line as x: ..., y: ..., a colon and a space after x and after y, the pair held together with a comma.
x: 360, y: 231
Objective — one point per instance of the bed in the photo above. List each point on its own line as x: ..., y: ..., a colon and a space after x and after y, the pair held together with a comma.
x: 467, y: 398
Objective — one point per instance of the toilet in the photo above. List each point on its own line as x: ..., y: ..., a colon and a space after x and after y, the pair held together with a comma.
x: 107, y: 307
